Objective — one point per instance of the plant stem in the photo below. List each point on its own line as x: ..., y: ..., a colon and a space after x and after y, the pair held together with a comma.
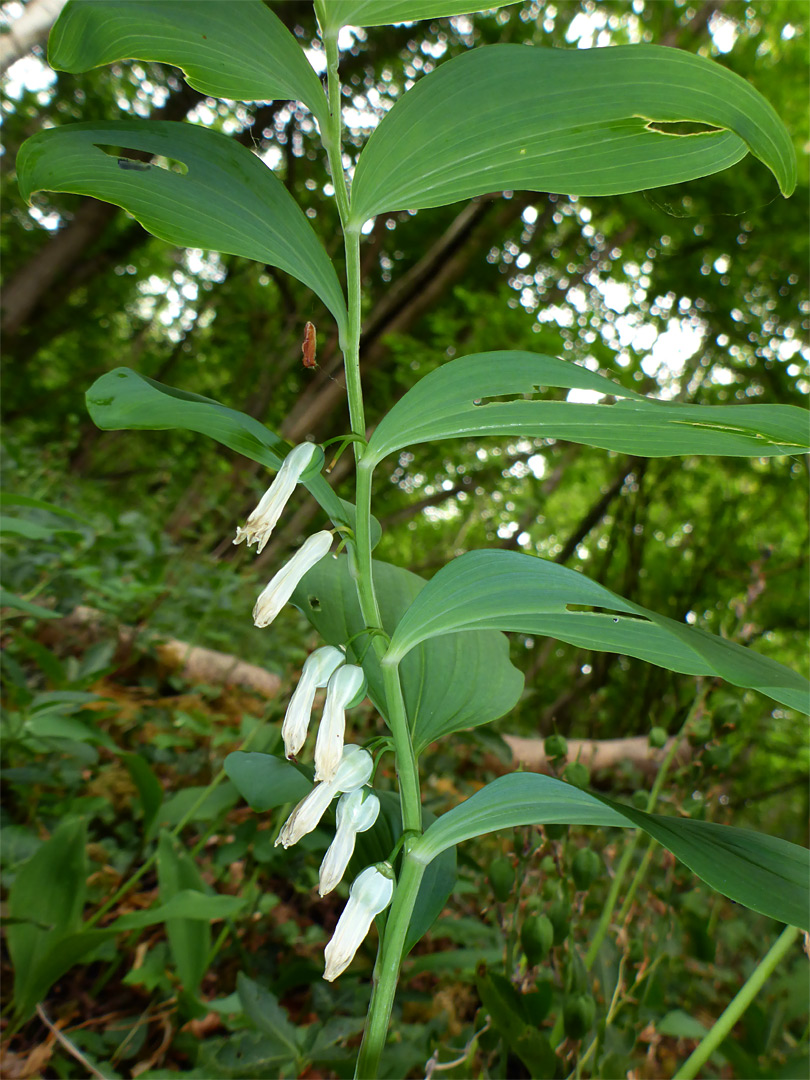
x: 722, y: 1027
x: 386, y: 971
x: 392, y: 944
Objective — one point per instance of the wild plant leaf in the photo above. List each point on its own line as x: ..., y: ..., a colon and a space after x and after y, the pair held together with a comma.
x: 495, y: 394
x: 189, y: 939
x: 239, y: 51
x: 205, y: 190
x: 122, y: 399
x: 332, y: 14
x: 582, y: 121
x: 150, y: 789
x: 60, y: 951
x: 18, y: 603
x: 506, y: 590
x: 265, y: 781
x: 437, y: 703
x: 762, y: 872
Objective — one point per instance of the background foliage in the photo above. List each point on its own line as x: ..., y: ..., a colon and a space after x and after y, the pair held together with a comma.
x: 696, y: 293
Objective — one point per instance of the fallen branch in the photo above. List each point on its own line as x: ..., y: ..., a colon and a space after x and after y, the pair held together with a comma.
x: 193, y: 662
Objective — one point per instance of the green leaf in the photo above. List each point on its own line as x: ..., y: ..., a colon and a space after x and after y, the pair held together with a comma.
x: 762, y: 872
x: 506, y: 590
x: 124, y: 400
x: 12, y: 498
x: 149, y: 788
x: 189, y: 939
x: 506, y: 1008
x: 483, y: 395
x: 238, y: 51
x: 45, y: 902
x: 59, y: 952
x: 436, y: 703
x: 214, y: 193
x: 17, y: 603
x: 185, y: 904
x: 217, y: 801
x: 265, y: 781
x: 263, y: 1009
x: 519, y: 117
x: 332, y: 14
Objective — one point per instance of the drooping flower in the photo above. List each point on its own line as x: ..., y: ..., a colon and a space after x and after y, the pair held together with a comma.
x: 262, y: 521
x: 370, y: 894
x: 318, y: 668
x: 347, y: 687
x: 356, y: 812
x: 279, y: 590
x: 353, y: 772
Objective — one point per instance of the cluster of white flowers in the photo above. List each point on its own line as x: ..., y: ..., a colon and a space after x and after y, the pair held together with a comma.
x: 339, y: 769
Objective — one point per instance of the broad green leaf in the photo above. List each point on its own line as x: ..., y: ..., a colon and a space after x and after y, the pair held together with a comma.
x: 496, y: 394
x: 332, y: 14
x: 45, y: 902
x: 436, y: 702
x: 240, y: 51
x: 262, y: 1007
x: 124, y: 400
x: 265, y: 781
x: 149, y: 788
x: 13, y: 498
x: 506, y: 590
x: 521, y: 117
x: 189, y: 939
x: 18, y: 603
x: 212, y: 193
x: 762, y: 872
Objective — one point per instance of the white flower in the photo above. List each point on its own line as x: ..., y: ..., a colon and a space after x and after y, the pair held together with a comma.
x: 353, y: 772
x: 370, y: 894
x: 276, y: 594
x: 318, y: 669
x: 356, y: 811
x: 263, y: 519
x: 346, y: 687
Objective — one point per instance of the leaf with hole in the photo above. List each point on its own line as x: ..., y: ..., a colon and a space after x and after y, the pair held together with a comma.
x: 762, y: 872
x: 239, y: 51
x: 506, y: 590
x: 575, y: 121
x: 496, y: 394
x: 212, y: 194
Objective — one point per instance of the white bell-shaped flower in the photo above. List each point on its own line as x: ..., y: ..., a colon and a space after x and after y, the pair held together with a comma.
x: 347, y: 687
x: 370, y: 894
x: 356, y: 811
x: 353, y: 772
x: 262, y: 521
x: 279, y: 590
x: 317, y: 670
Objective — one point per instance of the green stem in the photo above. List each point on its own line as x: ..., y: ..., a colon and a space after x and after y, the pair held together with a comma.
x: 386, y: 970
x: 722, y: 1027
